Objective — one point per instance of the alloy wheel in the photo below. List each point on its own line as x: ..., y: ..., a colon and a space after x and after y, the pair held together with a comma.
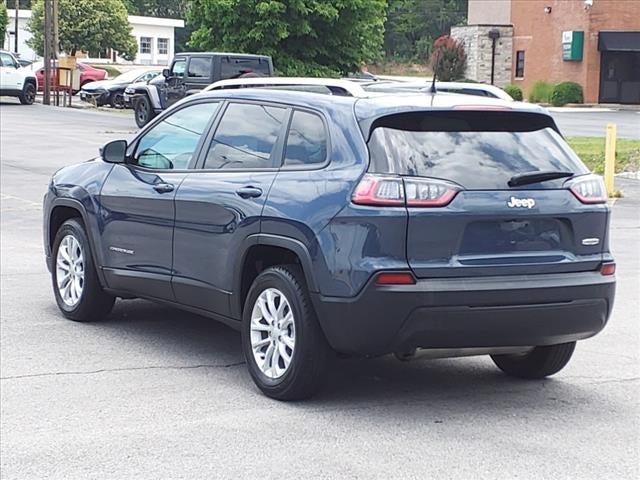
x: 70, y: 270
x: 30, y: 95
x: 273, y: 333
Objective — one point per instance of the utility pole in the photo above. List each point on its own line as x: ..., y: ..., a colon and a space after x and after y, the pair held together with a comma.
x: 46, y: 94
x: 15, y: 28
x: 55, y: 40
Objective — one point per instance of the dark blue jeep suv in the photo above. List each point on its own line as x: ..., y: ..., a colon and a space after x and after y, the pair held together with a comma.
x: 315, y: 224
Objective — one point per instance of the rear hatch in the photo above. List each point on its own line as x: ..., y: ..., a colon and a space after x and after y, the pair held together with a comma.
x: 490, y: 193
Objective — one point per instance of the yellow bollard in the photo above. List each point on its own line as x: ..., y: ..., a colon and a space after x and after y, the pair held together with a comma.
x: 610, y: 158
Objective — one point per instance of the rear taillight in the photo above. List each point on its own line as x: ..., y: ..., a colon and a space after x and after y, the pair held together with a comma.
x: 421, y: 192
x: 379, y: 190
x: 481, y: 108
x: 382, y: 190
x: 608, y: 268
x: 588, y: 189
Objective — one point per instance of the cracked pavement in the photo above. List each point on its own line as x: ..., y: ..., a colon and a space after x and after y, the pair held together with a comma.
x: 157, y: 393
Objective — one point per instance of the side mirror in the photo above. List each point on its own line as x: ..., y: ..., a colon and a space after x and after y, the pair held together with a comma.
x: 166, y: 73
x: 114, y: 152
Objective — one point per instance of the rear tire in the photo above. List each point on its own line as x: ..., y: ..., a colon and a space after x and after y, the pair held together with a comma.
x: 88, y: 301
x: 539, y: 363
x: 143, y: 111
x: 28, y: 95
x: 305, y: 371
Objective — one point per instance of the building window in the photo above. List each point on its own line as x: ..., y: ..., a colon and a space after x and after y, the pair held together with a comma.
x: 145, y: 45
x: 520, y: 64
x: 163, y: 46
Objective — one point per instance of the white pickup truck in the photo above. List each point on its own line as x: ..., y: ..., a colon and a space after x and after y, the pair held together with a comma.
x: 16, y: 81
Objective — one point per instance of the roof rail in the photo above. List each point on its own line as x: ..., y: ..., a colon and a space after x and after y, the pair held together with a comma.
x: 333, y: 86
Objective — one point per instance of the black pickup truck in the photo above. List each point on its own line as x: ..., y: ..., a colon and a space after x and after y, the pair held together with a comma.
x: 189, y: 73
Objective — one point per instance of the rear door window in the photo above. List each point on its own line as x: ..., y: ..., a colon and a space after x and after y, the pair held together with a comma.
x: 199, y: 67
x: 246, y: 137
x: 234, y: 67
x: 477, y: 150
x: 307, y: 140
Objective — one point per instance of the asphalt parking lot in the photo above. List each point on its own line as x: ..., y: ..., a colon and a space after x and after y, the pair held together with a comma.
x: 157, y: 393
x: 592, y: 122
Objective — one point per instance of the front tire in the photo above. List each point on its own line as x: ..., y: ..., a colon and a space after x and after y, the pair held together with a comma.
x: 76, y: 286
x: 284, y: 347
x: 538, y: 363
x: 116, y: 100
x: 143, y: 111
x: 28, y: 95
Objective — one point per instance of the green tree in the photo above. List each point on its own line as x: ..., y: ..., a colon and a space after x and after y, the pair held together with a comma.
x: 4, y: 21
x: 312, y: 37
x: 86, y: 25
x: 413, y: 25
x: 156, y: 8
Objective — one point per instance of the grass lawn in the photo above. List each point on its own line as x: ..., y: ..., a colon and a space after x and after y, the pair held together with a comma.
x: 591, y: 151
x: 401, y: 69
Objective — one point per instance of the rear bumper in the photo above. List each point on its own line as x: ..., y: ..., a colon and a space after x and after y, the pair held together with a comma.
x: 505, y: 311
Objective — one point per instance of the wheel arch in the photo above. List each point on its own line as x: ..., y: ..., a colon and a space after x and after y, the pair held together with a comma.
x: 152, y: 95
x: 62, y: 210
x: 262, y: 251
x: 32, y: 81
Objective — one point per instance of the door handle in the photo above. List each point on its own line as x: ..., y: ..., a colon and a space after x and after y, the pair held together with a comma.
x: 249, y: 192
x: 163, y: 187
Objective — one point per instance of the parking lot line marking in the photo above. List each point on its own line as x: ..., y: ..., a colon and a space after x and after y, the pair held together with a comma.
x: 4, y: 196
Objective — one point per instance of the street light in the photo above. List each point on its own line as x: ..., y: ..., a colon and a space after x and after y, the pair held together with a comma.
x: 494, y: 34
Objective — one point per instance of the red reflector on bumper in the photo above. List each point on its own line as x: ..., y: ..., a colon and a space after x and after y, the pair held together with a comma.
x: 395, y: 278
x: 607, y: 268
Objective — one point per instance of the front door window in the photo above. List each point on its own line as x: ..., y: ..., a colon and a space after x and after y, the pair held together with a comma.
x: 171, y: 144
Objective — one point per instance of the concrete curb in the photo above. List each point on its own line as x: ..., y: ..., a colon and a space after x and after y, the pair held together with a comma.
x: 592, y: 107
x: 629, y: 175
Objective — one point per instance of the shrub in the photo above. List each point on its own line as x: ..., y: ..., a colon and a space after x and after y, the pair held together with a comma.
x: 448, y: 59
x: 566, y: 92
x: 514, y: 91
x: 540, y: 92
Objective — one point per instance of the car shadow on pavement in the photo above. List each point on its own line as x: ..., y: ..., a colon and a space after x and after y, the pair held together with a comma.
x: 454, y: 386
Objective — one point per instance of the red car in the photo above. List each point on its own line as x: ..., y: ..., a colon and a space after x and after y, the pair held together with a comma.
x: 87, y: 74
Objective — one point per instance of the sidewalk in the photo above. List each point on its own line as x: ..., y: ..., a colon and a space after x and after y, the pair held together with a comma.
x: 593, y: 107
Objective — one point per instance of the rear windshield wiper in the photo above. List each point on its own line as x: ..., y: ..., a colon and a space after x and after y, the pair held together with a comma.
x: 536, y: 177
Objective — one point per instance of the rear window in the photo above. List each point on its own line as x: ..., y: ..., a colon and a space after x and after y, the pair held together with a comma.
x: 468, y: 91
x: 234, y: 67
x: 477, y: 150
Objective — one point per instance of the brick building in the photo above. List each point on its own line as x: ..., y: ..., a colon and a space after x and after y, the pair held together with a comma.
x: 595, y: 43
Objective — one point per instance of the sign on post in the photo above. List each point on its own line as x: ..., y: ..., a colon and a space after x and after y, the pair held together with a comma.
x: 572, y: 43
x: 66, y: 68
